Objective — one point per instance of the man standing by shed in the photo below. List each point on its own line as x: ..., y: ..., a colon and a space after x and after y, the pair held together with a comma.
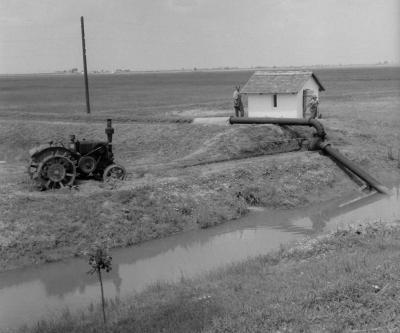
x: 314, y: 107
x: 237, y: 103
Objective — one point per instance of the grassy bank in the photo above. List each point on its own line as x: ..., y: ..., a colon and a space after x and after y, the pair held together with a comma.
x: 173, y: 185
x: 55, y: 225
x: 343, y: 282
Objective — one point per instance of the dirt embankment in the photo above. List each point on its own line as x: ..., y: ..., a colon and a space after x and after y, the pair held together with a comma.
x: 181, y: 176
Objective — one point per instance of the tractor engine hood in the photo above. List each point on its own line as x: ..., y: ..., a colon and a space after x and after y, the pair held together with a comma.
x: 86, y: 146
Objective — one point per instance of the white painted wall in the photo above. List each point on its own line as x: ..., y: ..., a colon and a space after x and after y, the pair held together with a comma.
x: 262, y: 105
x: 289, y: 105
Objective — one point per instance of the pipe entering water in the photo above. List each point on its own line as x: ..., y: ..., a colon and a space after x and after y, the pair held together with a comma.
x: 318, y: 144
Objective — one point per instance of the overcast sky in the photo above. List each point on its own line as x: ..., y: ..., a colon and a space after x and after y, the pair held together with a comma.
x: 44, y: 35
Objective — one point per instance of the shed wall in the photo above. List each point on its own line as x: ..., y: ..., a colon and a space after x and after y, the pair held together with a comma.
x: 262, y: 105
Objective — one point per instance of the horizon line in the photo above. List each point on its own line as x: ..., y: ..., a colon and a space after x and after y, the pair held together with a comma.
x: 200, y: 69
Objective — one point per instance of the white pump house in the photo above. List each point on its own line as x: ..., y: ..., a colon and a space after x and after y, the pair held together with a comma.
x: 280, y: 94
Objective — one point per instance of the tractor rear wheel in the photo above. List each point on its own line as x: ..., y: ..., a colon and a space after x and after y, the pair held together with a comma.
x: 56, y: 171
x: 114, y: 171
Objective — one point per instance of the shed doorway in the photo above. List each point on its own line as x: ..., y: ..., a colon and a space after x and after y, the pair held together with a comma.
x: 307, y: 95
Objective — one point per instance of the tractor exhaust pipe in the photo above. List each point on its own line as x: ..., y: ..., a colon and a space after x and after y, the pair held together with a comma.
x: 109, y: 131
x: 318, y: 143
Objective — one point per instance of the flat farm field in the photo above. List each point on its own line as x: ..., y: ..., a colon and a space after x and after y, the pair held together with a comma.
x: 181, y: 175
x: 123, y: 96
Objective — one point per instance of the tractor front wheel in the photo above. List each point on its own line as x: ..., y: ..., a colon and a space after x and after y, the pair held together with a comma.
x: 114, y: 171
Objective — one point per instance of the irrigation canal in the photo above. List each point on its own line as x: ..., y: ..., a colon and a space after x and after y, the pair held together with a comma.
x: 35, y: 292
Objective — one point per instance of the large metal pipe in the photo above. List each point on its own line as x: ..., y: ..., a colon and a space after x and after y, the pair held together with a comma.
x: 371, y: 181
x: 318, y: 143
x: 282, y: 121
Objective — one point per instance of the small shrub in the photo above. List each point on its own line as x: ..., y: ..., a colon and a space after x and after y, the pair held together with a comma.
x: 99, y: 260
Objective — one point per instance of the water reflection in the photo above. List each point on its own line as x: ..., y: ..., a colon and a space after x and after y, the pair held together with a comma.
x: 33, y: 292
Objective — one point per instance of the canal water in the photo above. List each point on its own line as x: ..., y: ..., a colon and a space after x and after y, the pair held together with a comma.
x: 35, y: 292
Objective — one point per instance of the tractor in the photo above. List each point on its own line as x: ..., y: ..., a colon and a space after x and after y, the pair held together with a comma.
x: 55, y: 165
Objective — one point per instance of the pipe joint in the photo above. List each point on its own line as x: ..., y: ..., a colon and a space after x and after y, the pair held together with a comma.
x: 323, y: 145
x: 315, y: 144
x: 318, y: 127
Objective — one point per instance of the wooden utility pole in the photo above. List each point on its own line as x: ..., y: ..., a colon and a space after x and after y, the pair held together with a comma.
x: 85, y: 66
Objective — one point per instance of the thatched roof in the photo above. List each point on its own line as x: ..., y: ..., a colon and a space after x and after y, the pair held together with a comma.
x: 275, y: 82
